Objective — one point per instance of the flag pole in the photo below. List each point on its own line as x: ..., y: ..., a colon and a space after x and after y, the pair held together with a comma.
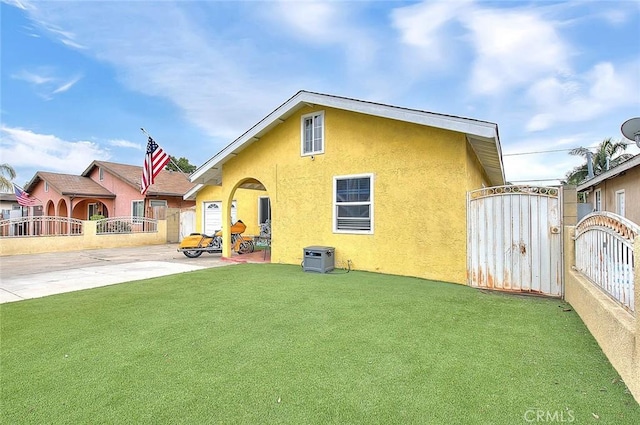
x: 170, y: 159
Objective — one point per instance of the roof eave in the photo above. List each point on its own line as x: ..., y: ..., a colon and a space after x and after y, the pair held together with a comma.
x: 627, y: 165
x: 88, y: 195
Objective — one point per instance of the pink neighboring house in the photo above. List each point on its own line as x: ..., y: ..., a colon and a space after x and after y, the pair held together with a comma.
x: 106, y: 188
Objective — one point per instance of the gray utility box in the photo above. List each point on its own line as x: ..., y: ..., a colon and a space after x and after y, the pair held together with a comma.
x: 318, y: 259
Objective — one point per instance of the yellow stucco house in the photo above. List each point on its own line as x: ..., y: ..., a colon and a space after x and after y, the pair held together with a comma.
x: 386, y: 186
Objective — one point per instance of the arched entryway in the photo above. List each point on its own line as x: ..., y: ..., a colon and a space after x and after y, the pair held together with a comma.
x: 50, y: 209
x: 87, y: 208
x: 248, y: 201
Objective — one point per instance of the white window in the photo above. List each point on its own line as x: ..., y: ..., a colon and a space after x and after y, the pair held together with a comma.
x: 597, y: 200
x: 137, y: 209
x: 46, y: 186
x: 100, y: 173
x: 264, y: 209
x: 353, y: 204
x: 312, y: 134
x: 620, y: 203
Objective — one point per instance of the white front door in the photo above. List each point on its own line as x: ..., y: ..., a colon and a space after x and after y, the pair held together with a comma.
x: 213, y: 216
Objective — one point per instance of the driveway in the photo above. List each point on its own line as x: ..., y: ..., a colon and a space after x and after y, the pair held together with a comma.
x: 38, y: 275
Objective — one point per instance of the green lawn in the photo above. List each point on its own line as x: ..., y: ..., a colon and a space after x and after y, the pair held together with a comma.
x: 268, y: 343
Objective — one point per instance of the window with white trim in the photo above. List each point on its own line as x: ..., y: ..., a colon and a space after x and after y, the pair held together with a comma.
x: 597, y: 200
x: 312, y: 138
x: 100, y: 174
x: 137, y: 209
x: 353, y: 204
x: 46, y: 186
x: 620, y: 209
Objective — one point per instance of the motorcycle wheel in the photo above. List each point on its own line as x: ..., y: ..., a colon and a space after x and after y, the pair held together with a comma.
x: 245, y: 247
x: 192, y: 254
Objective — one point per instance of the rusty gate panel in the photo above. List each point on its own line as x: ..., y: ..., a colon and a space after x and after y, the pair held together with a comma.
x: 514, y: 239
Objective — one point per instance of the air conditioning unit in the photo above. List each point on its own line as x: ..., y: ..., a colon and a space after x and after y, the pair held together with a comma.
x: 319, y: 259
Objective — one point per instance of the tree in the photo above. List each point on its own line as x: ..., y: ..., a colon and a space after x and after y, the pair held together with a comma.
x: 603, y: 159
x: 5, y: 182
x: 183, y: 163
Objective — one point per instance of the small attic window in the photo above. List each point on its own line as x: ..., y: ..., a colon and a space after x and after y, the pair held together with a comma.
x: 312, y: 137
x: 46, y: 186
x: 100, y: 174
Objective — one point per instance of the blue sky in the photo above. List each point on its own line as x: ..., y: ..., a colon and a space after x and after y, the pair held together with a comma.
x: 79, y: 79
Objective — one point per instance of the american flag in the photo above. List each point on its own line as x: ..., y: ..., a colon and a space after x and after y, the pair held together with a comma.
x: 23, y: 197
x: 154, y: 161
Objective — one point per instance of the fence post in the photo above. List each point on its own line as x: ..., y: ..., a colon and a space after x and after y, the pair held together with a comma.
x: 569, y: 205
x: 569, y: 220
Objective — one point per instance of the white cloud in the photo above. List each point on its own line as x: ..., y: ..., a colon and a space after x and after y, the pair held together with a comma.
x: 422, y: 27
x: 125, y: 144
x: 583, y: 97
x: 24, y: 5
x: 326, y: 24
x: 21, y: 147
x: 66, y: 86
x: 513, y: 47
x: 213, y: 79
x: 45, y: 81
x: 32, y: 77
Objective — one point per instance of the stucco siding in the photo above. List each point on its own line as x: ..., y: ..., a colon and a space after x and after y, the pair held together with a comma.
x: 420, y: 178
x: 630, y: 183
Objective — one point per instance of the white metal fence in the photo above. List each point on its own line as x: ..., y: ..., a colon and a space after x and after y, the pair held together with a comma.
x: 604, y: 254
x: 65, y: 226
x: 40, y: 226
x: 116, y: 225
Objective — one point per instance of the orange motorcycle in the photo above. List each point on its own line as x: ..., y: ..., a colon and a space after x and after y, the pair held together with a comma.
x: 196, y: 243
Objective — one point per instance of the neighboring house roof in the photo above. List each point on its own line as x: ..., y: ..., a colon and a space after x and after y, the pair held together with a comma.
x: 614, y: 172
x: 8, y: 197
x: 167, y: 183
x: 70, y: 185
x: 483, y: 136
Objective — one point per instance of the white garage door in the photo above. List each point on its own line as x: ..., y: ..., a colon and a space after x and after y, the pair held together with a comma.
x: 213, y: 216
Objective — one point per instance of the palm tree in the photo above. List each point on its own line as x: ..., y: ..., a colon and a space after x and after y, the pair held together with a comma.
x: 5, y: 182
x: 602, y: 160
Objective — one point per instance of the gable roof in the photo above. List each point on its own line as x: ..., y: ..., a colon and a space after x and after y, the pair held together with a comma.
x: 613, y: 172
x: 69, y: 184
x: 482, y: 135
x: 167, y: 183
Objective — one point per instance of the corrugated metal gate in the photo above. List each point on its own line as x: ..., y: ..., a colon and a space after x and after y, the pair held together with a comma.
x: 515, y: 239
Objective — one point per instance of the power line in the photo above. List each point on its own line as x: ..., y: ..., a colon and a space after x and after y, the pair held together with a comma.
x: 555, y: 150
x: 536, y: 152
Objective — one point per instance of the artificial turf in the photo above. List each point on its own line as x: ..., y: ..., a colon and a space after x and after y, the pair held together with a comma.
x: 268, y: 343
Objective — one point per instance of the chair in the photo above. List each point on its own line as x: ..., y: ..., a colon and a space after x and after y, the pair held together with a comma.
x: 265, y: 237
